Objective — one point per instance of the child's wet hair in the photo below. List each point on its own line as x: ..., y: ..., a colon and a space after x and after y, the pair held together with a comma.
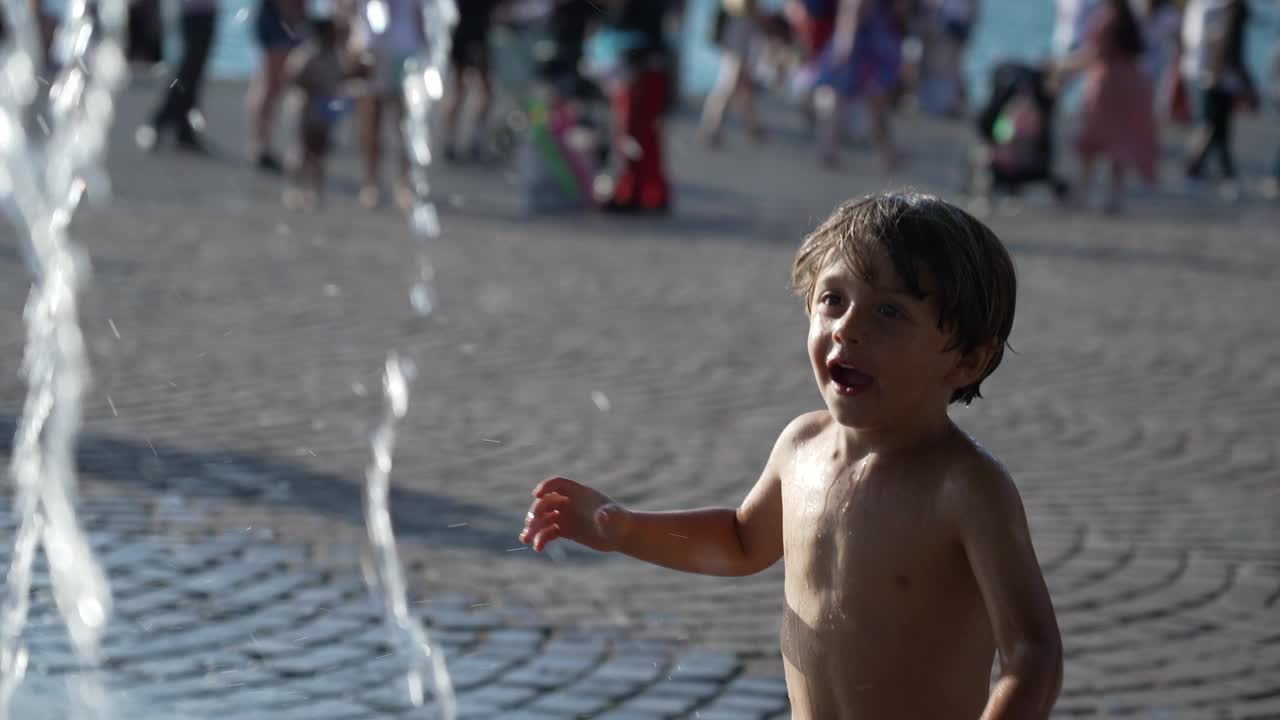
x: 936, y: 249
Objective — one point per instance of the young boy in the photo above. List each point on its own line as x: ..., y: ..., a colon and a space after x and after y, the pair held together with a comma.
x: 317, y: 68
x: 908, y: 558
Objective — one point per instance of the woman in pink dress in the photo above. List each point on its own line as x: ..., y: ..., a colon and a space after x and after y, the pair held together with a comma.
x: 1117, y: 117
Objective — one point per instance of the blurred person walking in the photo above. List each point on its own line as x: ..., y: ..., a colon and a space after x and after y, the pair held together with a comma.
x: 180, y: 103
x: 384, y: 34
x: 949, y: 25
x: 1161, y: 22
x: 738, y: 35
x: 470, y: 59
x: 863, y: 62
x: 1213, y: 37
x: 278, y: 29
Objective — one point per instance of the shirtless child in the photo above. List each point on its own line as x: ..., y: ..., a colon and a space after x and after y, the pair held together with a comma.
x: 908, y: 559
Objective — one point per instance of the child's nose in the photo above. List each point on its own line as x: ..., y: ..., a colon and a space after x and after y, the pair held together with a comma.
x: 848, y: 327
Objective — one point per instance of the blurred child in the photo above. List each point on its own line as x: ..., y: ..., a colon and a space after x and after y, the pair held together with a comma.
x: 317, y: 69
x: 1117, y: 117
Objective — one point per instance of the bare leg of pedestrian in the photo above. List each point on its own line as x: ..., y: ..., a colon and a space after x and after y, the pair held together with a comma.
x: 1080, y: 193
x: 829, y: 113
x: 268, y: 86
x: 745, y: 96
x: 891, y: 158
x: 484, y: 105
x: 453, y: 113
x: 404, y: 190
x: 370, y: 122
x: 1114, y: 203
x: 717, y: 103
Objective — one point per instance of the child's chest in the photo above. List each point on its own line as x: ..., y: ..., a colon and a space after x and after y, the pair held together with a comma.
x: 873, y: 528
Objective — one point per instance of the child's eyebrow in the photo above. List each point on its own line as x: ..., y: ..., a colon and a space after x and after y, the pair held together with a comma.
x: 838, y: 277
x: 904, y: 291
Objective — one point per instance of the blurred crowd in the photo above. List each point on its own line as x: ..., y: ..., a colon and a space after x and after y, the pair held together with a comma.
x: 587, y: 117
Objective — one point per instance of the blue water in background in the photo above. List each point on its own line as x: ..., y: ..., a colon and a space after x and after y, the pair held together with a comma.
x: 1008, y: 29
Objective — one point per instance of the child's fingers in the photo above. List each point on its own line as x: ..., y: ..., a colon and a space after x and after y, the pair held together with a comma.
x: 556, y: 484
x: 547, y: 503
x: 535, y: 523
x: 544, y: 536
x: 540, y: 512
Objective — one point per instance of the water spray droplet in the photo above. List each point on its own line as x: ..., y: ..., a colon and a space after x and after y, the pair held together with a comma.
x: 434, y: 83
x: 426, y: 222
x: 420, y: 298
x: 92, y: 614
x: 601, y: 400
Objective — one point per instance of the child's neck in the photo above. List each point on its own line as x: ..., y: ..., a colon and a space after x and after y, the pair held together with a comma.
x: 896, y: 438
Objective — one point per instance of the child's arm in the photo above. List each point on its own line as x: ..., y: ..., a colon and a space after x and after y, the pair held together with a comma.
x: 712, y: 541
x: 986, y: 508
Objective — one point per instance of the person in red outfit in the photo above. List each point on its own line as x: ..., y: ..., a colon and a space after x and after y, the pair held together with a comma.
x: 639, y: 98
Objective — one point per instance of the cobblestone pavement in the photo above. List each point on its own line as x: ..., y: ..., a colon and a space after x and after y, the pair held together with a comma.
x: 234, y: 625
x: 236, y: 348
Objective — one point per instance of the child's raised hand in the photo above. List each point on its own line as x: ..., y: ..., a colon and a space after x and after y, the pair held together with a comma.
x: 566, y: 509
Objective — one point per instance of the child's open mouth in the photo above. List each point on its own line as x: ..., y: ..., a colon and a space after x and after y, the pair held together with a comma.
x: 848, y: 379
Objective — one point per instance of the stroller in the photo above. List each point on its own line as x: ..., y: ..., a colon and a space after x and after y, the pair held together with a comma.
x: 1016, y: 132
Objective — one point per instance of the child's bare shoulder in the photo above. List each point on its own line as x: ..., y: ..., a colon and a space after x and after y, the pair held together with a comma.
x: 806, y: 427
x: 793, y: 437
x: 976, y: 481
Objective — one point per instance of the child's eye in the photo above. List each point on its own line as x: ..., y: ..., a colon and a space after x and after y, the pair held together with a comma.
x: 829, y: 299
x: 888, y: 311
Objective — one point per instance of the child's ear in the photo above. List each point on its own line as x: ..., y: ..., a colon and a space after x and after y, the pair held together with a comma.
x: 970, y: 366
